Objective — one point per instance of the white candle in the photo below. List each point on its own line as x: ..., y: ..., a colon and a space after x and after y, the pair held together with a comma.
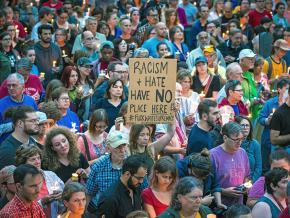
x: 54, y: 64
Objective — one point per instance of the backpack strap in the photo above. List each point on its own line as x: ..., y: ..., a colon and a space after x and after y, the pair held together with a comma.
x: 284, y: 66
x: 86, y: 147
x: 270, y: 67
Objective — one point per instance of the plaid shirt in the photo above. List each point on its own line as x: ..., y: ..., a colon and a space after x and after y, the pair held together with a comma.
x: 17, y: 209
x: 102, y: 175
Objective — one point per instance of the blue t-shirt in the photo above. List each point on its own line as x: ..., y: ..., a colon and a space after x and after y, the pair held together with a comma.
x: 197, y: 140
x: 70, y: 120
x: 236, y: 109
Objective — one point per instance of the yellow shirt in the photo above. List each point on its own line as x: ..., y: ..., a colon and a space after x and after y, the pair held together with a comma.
x: 277, y: 69
x: 196, y: 216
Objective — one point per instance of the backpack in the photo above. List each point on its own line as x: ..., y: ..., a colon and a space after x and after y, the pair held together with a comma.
x: 270, y: 66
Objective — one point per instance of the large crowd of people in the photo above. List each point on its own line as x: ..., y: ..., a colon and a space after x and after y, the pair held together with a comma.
x: 66, y: 146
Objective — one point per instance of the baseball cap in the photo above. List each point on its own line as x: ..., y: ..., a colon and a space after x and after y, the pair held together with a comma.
x: 6, y: 174
x: 107, y: 44
x: 43, y: 118
x: 117, y: 138
x: 209, y: 49
x: 282, y: 44
x: 246, y: 53
x: 24, y: 63
x: 84, y: 61
x: 200, y: 59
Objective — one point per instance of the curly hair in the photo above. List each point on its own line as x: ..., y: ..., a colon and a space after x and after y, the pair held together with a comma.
x: 50, y: 158
x: 25, y: 152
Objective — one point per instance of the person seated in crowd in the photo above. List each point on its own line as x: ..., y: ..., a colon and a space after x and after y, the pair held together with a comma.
x: 52, y: 185
x: 89, y: 45
x: 161, y: 34
x: 274, y: 200
x: 25, y: 122
x: 74, y: 199
x: 124, y: 196
x: 251, y: 146
x: 198, y: 165
x: 24, y: 202
x: 68, y: 118
x: 265, y: 118
x: 204, y: 83
x: 163, y: 50
x: 199, y: 136
x: 93, y: 142
x: 234, y: 93
x: 278, y: 159
x: 8, y: 188
x: 32, y: 83
x: 62, y: 156
x: 285, y: 212
x: 186, y: 200
x: 231, y: 163
x: 112, y: 101
x: 141, y: 144
x: 157, y: 197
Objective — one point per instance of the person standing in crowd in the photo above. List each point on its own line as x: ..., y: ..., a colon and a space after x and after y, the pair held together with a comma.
x: 161, y: 34
x: 52, y: 184
x: 186, y: 200
x: 279, y: 126
x: 238, y: 211
x: 48, y: 55
x: 285, y: 212
x: 62, y: 156
x: 258, y: 13
x: 231, y: 163
x: 68, y: 118
x: 199, y: 136
x: 89, y: 46
x: 7, y: 185
x: 74, y: 199
x: 157, y: 197
x: 93, y: 142
x: 25, y: 122
x: 274, y: 200
x: 251, y: 146
x: 24, y: 202
x: 234, y: 92
x: 265, y: 118
x: 124, y: 196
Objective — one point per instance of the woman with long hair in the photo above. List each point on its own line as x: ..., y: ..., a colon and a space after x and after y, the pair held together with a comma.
x: 93, y: 142
x: 52, y: 185
x: 171, y: 18
x: 70, y: 80
x: 216, y: 11
x: 62, y: 156
x: 122, y: 51
x: 113, y: 100
x: 157, y: 197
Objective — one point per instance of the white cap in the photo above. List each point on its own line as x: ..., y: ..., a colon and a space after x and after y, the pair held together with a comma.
x: 246, y: 53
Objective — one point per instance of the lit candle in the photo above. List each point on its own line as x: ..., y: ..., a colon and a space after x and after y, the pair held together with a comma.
x: 128, y: 15
x: 25, y: 29
x: 84, y: 2
x: 248, y: 184
x: 31, y: 4
x: 52, y: 21
x: 59, y: 216
x: 158, y: 156
x: 89, y: 10
x: 288, y: 70
x: 54, y: 64
x: 211, y: 216
x: 202, y: 95
x: 64, y: 54
x: 273, y: 110
x: 250, y: 115
x: 91, y: 91
x: 194, y: 3
x: 42, y: 75
x: 73, y: 129
x: 80, y: 89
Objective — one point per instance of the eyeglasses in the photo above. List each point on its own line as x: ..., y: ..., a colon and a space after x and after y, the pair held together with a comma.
x: 153, y: 15
x: 244, y: 126
x: 193, y: 198
x: 86, y: 66
x: 6, y: 39
x: 90, y: 39
x: 120, y: 72
x: 139, y: 178
x: 236, y: 140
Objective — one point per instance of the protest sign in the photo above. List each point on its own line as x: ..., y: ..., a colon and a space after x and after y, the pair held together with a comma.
x: 152, y: 90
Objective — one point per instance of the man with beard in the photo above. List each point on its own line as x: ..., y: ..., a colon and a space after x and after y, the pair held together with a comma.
x: 15, y: 85
x: 124, y: 196
x: 199, y: 136
x: 48, y: 55
x: 25, y: 122
x: 89, y: 45
x: 28, y: 182
x: 161, y: 34
x: 203, y: 40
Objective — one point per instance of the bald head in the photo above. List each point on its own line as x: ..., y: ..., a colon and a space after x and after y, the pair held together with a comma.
x: 161, y: 30
x: 234, y: 71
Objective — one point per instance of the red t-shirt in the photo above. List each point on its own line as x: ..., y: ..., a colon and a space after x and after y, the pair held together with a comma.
x: 33, y: 87
x: 56, y: 6
x: 148, y: 197
x: 255, y: 17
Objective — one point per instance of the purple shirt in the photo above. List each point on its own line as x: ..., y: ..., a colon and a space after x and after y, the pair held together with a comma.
x: 258, y: 189
x: 231, y: 170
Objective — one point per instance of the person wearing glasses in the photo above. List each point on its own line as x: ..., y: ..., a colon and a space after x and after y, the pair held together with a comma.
x: 186, y: 200
x: 93, y: 142
x: 124, y: 196
x: 198, y: 165
x: 68, y: 118
x: 251, y: 146
x: 234, y: 92
x: 231, y: 164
